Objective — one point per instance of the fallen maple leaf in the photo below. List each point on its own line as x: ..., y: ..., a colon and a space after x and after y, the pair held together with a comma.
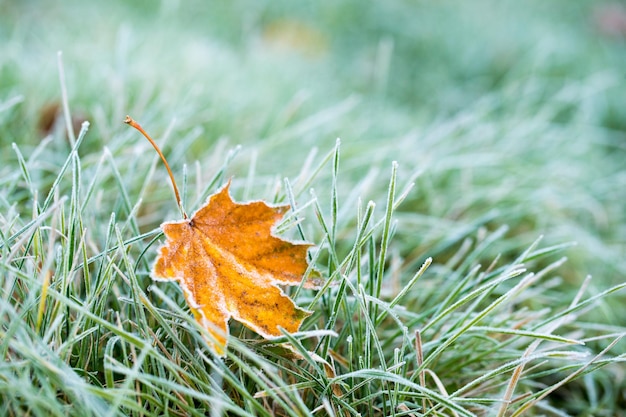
x: 229, y: 264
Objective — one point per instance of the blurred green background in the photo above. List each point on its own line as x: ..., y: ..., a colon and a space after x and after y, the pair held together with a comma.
x: 513, y: 106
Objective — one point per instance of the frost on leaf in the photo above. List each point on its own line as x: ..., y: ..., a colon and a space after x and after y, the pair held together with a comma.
x: 229, y: 265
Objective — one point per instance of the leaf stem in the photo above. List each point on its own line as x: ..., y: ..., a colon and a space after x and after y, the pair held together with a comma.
x: 130, y: 121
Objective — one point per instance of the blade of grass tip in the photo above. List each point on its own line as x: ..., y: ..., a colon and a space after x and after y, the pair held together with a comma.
x: 406, y: 288
x: 328, y: 283
x: 251, y: 175
x: 292, y: 203
x: 386, y: 228
x: 13, y: 101
x: 548, y: 251
x: 310, y: 274
x: 358, y: 253
x: 520, y: 259
x: 66, y: 164
x: 73, y: 220
x: 65, y: 100
x: 371, y: 261
x: 411, y: 282
x: 218, y: 177
x: 92, y: 184
x: 144, y: 250
x: 121, y: 185
x: 483, y: 245
x: 22, y: 163
x: 581, y: 291
x: 184, y: 187
x: 334, y: 199
x: 303, y: 185
x: 107, y: 243
x: 384, y: 240
x: 402, y: 329
x: 333, y: 262
x: 84, y: 128
x: 109, y: 378
x: 353, y: 257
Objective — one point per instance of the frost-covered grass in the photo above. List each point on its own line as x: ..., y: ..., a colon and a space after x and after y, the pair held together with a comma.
x: 470, y: 222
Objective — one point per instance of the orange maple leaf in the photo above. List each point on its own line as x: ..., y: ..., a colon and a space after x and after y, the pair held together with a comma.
x: 229, y: 264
